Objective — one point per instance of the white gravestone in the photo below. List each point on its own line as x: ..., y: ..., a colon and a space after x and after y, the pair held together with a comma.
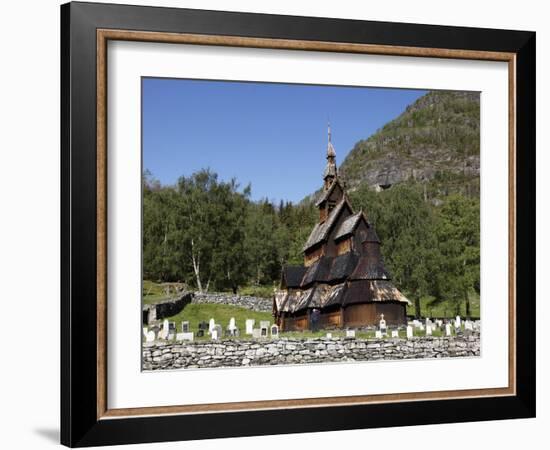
x: 150, y: 336
x: 409, y: 332
x: 163, y: 333
x: 394, y: 333
x: 350, y: 333
x: 428, y: 330
x: 378, y: 334
x: 256, y: 333
x: 214, y: 335
x: 448, y: 329
x: 329, y: 335
x: 457, y: 322
x: 189, y: 336
x: 211, y: 325
x: 468, y: 325
x: 382, y: 324
x: 232, y: 327
x: 250, y: 325
x: 274, y: 331
x: 417, y: 323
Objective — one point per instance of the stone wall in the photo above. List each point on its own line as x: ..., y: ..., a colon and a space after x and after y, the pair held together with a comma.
x: 228, y: 353
x: 167, y: 308
x: 252, y: 303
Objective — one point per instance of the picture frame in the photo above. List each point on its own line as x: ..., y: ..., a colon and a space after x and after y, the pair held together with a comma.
x: 86, y: 418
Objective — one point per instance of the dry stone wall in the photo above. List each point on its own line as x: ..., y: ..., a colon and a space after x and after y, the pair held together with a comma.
x: 232, y: 353
x: 253, y: 303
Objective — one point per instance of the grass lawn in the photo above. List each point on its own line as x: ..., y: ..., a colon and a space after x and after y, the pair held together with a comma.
x: 430, y: 308
x: 220, y: 313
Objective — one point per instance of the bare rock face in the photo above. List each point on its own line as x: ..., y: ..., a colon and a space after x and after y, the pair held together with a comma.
x: 435, y: 138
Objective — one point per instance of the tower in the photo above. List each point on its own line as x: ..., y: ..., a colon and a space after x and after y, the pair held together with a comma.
x: 331, y: 171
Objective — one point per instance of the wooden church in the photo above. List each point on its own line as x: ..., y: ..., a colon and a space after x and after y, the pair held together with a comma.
x: 343, y: 282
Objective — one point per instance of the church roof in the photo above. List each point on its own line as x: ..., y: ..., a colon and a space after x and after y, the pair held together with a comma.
x: 320, y: 230
x: 348, y: 225
x: 293, y: 275
x: 325, y: 195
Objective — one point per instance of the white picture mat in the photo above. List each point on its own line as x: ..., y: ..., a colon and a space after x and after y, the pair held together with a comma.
x: 128, y: 387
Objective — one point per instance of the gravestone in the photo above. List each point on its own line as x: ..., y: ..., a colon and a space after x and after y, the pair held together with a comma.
x: 417, y: 323
x: 185, y: 327
x: 145, y: 331
x: 410, y: 333
x: 329, y: 335
x: 219, y: 329
x: 232, y: 327
x: 378, y: 334
x: 250, y: 325
x: 457, y: 322
x: 350, y: 333
x: 211, y: 325
x: 468, y: 325
x: 421, y: 327
x: 200, y: 333
x: 256, y: 333
x: 264, y: 328
x: 150, y: 336
x: 163, y: 333
x: 382, y: 324
x: 187, y: 336
x: 214, y: 335
x: 274, y: 331
x: 394, y: 334
x: 171, y: 331
x: 448, y: 330
x: 428, y: 330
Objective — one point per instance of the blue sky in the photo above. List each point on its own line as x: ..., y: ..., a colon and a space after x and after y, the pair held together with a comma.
x: 273, y: 136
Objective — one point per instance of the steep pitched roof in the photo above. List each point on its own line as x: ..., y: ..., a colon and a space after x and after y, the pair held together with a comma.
x: 349, y: 225
x: 320, y: 230
x: 293, y: 275
x: 326, y: 194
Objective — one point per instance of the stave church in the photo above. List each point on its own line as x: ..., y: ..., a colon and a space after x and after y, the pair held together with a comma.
x: 343, y: 282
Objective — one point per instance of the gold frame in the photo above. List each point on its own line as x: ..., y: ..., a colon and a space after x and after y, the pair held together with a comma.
x: 103, y: 36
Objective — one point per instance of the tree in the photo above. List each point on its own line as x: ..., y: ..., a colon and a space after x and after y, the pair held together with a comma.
x: 458, y: 242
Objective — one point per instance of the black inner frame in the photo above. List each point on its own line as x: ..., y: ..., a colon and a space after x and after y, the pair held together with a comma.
x: 79, y: 424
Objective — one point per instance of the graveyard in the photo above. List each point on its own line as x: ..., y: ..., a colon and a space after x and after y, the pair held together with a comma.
x: 222, y: 335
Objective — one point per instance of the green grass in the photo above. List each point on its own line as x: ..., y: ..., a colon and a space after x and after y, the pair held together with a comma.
x: 195, y: 313
x: 152, y: 292
x: 431, y: 308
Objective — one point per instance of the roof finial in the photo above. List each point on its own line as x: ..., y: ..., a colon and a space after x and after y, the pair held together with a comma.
x: 329, y: 133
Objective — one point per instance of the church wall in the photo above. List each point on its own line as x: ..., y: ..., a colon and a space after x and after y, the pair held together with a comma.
x: 360, y: 315
x: 360, y: 236
x: 394, y: 313
x: 331, y: 245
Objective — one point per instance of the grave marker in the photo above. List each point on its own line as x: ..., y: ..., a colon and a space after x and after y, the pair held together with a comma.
x: 250, y: 325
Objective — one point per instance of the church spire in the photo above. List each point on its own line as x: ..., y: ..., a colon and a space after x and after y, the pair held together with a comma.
x: 331, y: 172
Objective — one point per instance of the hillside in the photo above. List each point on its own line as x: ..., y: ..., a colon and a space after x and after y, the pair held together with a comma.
x: 435, y: 140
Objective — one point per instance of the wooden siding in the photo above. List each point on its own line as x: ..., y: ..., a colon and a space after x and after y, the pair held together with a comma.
x: 394, y: 313
x: 331, y: 320
x: 313, y: 256
x: 360, y: 315
x: 343, y: 246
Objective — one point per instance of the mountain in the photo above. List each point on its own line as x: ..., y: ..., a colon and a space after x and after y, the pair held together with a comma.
x: 434, y: 141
